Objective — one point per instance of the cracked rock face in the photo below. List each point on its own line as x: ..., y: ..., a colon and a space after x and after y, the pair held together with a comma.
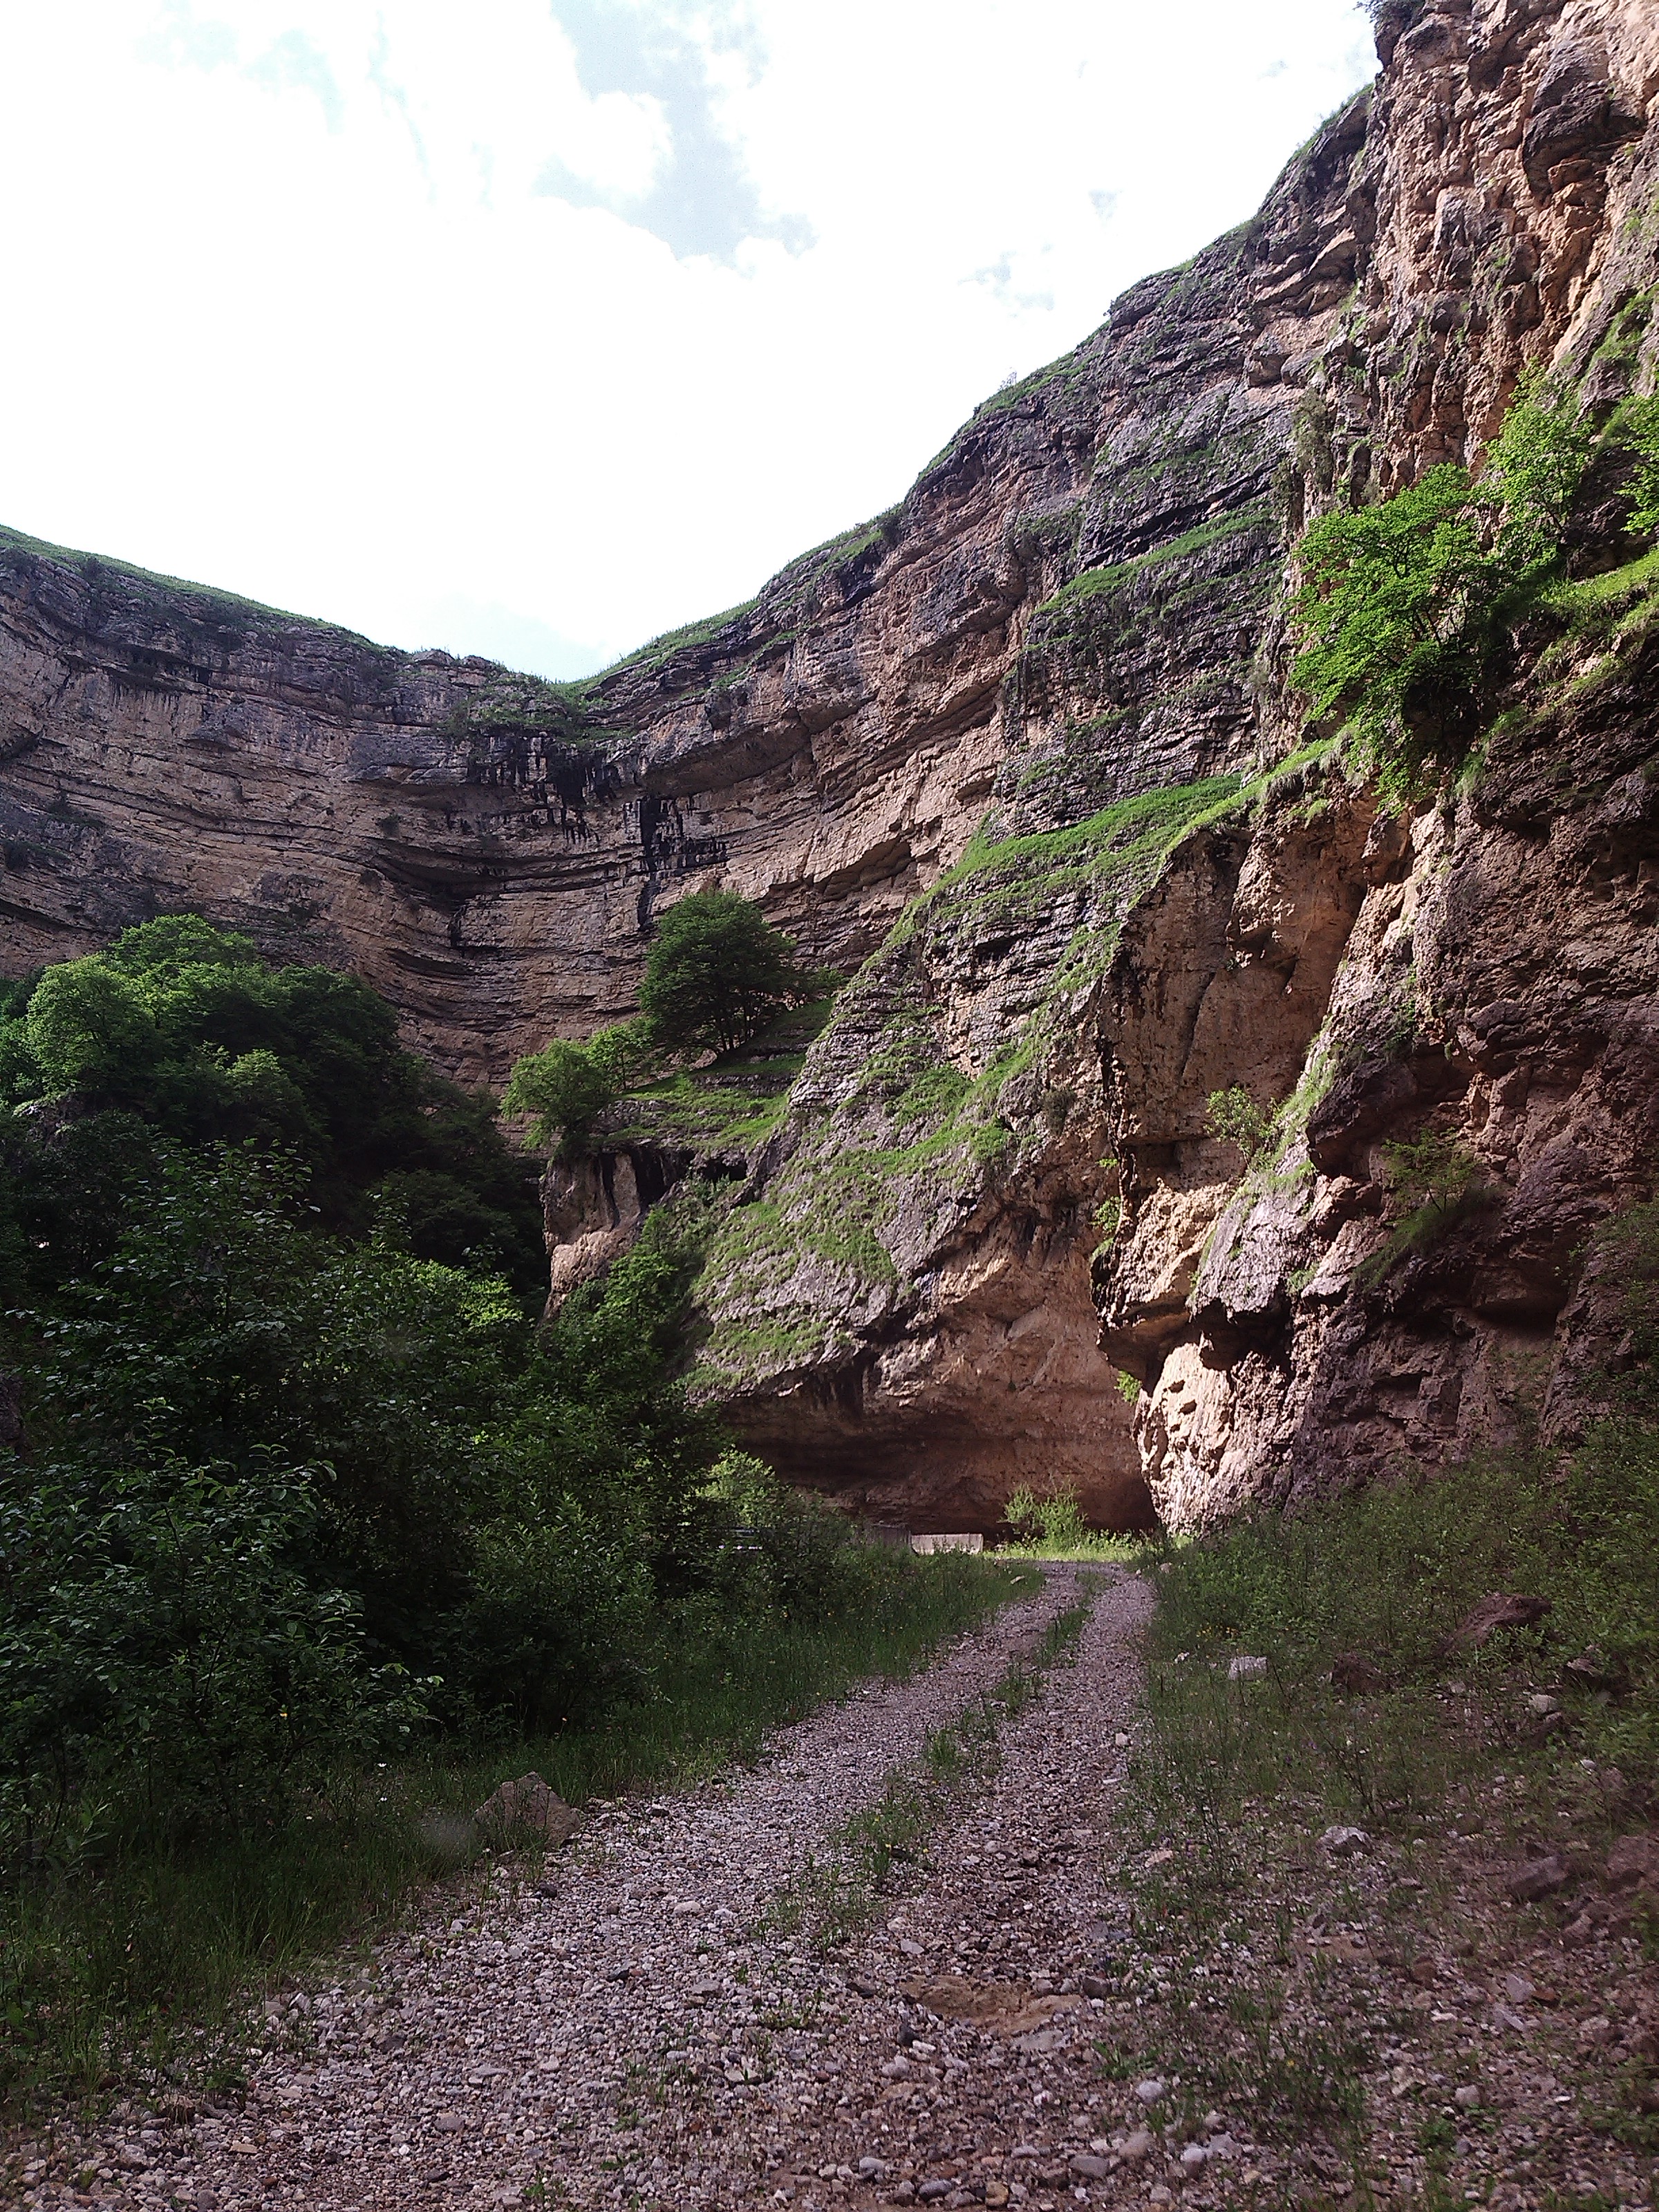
x: 1025, y: 748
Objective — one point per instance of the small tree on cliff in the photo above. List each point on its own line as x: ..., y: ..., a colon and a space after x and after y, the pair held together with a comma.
x: 717, y: 974
x: 565, y: 1087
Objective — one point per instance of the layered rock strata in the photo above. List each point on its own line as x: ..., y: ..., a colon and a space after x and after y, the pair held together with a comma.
x: 1023, y: 754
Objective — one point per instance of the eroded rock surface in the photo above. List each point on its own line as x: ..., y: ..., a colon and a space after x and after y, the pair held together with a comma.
x: 1025, y: 748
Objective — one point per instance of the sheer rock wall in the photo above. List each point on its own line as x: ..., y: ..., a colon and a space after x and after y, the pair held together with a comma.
x: 1025, y: 749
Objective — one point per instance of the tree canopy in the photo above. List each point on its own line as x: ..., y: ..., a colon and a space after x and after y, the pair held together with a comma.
x: 716, y: 974
x: 183, y: 1028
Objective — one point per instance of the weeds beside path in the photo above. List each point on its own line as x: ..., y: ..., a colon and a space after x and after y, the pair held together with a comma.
x: 520, y: 2029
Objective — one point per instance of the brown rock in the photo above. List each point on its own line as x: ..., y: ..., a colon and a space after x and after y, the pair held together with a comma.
x: 1634, y: 1863
x: 1539, y: 1878
x: 1076, y: 605
x: 1007, y: 2008
x: 528, y: 1808
x: 1503, y: 1609
x: 1354, y: 1672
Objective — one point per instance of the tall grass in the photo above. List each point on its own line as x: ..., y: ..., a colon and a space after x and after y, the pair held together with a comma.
x: 135, y: 1953
x: 1386, y: 1578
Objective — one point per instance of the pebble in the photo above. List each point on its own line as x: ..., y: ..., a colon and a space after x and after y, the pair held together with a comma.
x: 1344, y: 1842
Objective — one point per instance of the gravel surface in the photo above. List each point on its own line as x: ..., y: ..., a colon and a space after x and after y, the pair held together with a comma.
x: 626, y: 2027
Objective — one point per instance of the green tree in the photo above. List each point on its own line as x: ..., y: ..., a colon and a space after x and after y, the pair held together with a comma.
x: 565, y: 1087
x: 716, y: 974
x: 1639, y: 432
x: 185, y: 1026
x: 1404, y: 607
x: 88, y: 1027
x: 1531, y: 476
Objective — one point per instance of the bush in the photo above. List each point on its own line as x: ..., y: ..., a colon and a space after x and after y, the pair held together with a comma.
x: 1435, y: 1183
x: 1639, y: 432
x: 1395, y: 607
x: 182, y: 1025
x: 1235, y: 1115
x: 156, y: 1636
x: 1404, y: 607
x: 220, y: 1332
x: 716, y: 974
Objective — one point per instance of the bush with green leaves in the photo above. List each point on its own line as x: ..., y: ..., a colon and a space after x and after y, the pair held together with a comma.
x: 1235, y: 1115
x: 183, y: 1026
x: 1434, y: 1183
x: 1404, y: 608
x: 1636, y: 427
x: 717, y: 973
x: 564, y: 1088
x: 290, y: 1444
x: 160, y: 1636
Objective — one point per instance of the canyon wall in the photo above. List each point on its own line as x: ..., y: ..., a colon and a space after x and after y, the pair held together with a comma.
x: 1023, y: 756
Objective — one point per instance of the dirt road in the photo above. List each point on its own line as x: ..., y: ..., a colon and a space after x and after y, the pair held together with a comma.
x: 658, y: 2023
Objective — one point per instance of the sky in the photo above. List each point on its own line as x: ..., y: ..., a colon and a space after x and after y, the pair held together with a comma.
x: 534, y: 328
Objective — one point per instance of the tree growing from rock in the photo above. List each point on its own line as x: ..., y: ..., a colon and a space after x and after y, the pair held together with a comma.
x: 717, y: 974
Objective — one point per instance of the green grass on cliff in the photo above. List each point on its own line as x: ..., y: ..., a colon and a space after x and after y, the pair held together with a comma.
x: 224, y: 609
x: 1095, y: 583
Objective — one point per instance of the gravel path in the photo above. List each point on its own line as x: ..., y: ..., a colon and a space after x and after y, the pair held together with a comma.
x: 628, y: 2031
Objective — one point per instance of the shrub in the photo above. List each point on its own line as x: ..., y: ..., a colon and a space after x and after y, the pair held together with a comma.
x: 1435, y: 1183
x: 1404, y: 607
x: 717, y: 974
x: 1638, y: 431
x: 1235, y: 1115
x: 1054, y: 1518
x: 157, y: 1634
x: 183, y: 1025
x: 1394, y: 607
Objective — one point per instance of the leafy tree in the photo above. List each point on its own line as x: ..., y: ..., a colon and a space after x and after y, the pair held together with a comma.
x: 716, y: 974
x: 1393, y: 607
x: 1533, y: 470
x: 88, y: 1027
x: 1404, y: 607
x: 564, y: 1090
x: 183, y: 1025
x: 565, y: 1087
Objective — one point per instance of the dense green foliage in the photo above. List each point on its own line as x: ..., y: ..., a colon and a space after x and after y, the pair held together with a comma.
x: 717, y: 974
x: 1406, y: 609
x: 291, y: 1498
x: 182, y: 1029
x: 564, y: 1088
x: 1640, y: 431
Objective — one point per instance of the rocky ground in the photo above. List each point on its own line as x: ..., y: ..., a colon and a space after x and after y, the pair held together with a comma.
x: 1031, y: 2007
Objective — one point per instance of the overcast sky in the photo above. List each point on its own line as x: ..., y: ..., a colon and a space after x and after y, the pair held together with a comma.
x: 536, y: 327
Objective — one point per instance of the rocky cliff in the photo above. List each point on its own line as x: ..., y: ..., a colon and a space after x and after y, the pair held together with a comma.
x: 1023, y: 754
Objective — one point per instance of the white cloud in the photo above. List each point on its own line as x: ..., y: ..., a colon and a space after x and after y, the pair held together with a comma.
x: 563, y: 323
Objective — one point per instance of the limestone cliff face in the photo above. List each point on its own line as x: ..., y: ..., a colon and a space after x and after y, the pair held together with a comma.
x: 1023, y: 753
